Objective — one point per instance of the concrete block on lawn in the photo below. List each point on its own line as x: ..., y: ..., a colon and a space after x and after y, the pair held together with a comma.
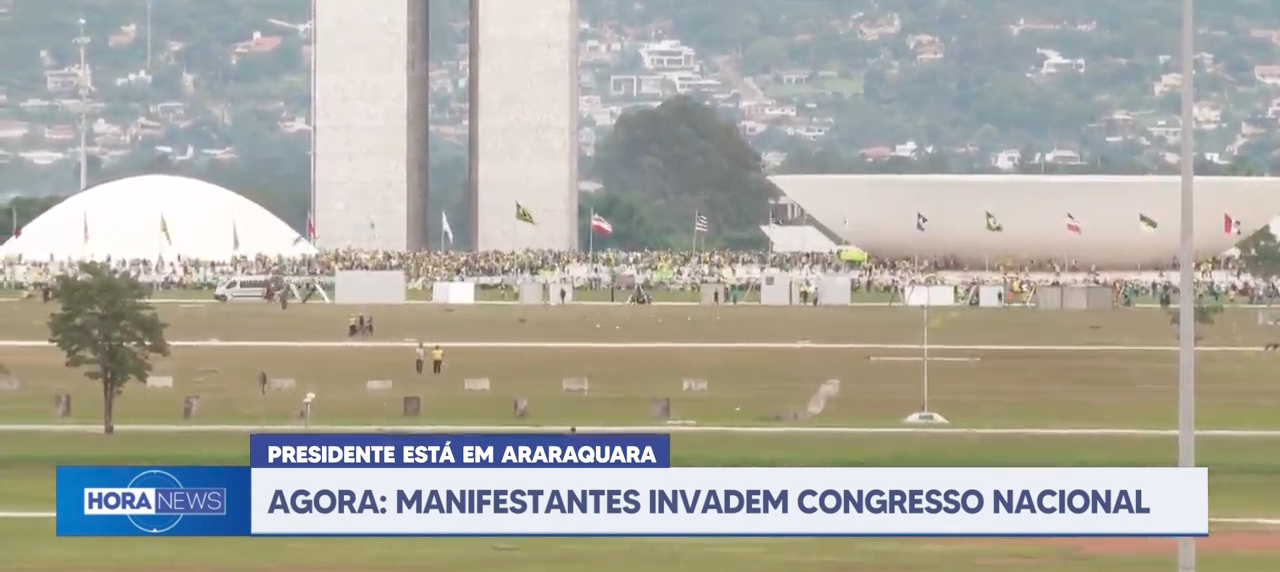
x: 711, y: 293
x: 476, y: 384
x: 574, y: 385
x: 520, y: 408
x: 532, y: 293
x: 693, y: 384
x: 411, y: 406
x: 159, y: 382
x: 660, y: 408
x: 559, y: 293
x: 925, y: 418
x: 190, y: 405
x: 62, y: 405
x: 376, y: 385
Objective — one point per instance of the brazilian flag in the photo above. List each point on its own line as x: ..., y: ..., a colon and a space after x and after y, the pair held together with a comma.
x: 523, y: 214
x: 852, y: 255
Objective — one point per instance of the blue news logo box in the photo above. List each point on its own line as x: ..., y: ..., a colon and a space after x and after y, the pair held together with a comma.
x: 146, y: 501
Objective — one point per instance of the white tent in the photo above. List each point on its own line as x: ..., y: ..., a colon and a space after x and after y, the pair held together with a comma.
x: 155, y: 216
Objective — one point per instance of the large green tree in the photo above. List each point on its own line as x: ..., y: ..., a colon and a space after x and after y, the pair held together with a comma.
x: 1260, y: 256
x: 683, y: 157
x: 106, y: 326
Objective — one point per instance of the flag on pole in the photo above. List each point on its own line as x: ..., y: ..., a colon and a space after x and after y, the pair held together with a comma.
x: 445, y: 228
x: 600, y: 226
x: 1073, y: 225
x: 164, y: 230
x: 1230, y: 226
x: 85, y: 227
x: 920, y: 222
x: 235, y: 238
x: 700, y: 222
x: 310, y: 230
x: 1147, y: 223
x: 523, y: 214
x: 17, y: 231
x: 993, y: 225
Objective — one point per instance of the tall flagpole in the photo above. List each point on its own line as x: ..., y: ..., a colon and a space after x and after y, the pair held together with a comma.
x: 924, y: 343
x: 695, y: 231
x: 82, y: 40
x: 1186, y: 280
x: 768, y: 212
x: 591, y: 237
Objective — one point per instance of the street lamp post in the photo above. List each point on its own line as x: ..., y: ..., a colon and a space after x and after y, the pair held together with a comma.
x: 1186, y: 279
x: 83, y: 40
x: 148, y: 37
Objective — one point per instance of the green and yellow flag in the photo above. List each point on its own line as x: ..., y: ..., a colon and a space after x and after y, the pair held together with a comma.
x: 523, y: 214
x: 1147, y: 223
x: 993, y: 225
x: 852, y: 255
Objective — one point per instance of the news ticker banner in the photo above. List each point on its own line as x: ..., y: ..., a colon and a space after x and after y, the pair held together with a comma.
x: 605, y: 485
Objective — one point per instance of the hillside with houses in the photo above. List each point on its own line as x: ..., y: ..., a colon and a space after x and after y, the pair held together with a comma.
x: 994, y: 85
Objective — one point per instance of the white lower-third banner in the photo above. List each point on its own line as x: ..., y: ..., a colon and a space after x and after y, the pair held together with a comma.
x: 731, y: 502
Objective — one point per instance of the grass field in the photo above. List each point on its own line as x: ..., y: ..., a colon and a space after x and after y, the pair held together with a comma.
x: 1055, y: 387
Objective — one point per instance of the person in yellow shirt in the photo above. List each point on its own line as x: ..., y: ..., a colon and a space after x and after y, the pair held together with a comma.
x: 437, y: 359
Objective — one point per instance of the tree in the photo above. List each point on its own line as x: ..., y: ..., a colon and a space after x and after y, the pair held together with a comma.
x: 1204, y: 314
x: 106, y: 325
x: 635, y: 226
x: 1260, y: 257
x: 682, y: 156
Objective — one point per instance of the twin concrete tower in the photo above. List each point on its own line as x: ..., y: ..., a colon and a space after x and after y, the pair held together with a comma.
x: 371, y: 128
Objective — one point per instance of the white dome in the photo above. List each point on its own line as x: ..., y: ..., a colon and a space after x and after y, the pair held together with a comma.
x: 127, y: 219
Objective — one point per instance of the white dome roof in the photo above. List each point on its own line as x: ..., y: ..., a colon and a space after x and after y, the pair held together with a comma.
x: 127, y: 219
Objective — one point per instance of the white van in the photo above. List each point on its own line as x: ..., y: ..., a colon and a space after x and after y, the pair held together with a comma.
x: 242, y: 288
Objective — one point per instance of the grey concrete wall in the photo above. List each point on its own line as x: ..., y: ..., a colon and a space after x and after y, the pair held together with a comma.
x: 524, y: 123
x: 370, y: 149
x: 418, y: 125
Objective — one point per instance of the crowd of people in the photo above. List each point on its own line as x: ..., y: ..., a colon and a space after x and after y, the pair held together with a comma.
x: 658, y: 269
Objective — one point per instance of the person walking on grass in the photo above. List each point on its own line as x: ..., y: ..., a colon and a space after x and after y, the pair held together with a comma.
x: 437, y: 359
x: 420, y: 358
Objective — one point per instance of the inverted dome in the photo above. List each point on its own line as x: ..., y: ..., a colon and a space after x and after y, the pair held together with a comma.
x: 878, y: 213
x: 128, y: 219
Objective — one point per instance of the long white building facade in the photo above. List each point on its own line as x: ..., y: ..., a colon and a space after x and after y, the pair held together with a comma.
x: 370, y: 129
x: 524, y: 123
x: 946, y: 215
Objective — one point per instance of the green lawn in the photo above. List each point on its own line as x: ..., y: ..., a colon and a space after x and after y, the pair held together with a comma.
x: 29, y: 548
x: 625, y: 324
x: 748, y: 386
x: 745, y: 387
